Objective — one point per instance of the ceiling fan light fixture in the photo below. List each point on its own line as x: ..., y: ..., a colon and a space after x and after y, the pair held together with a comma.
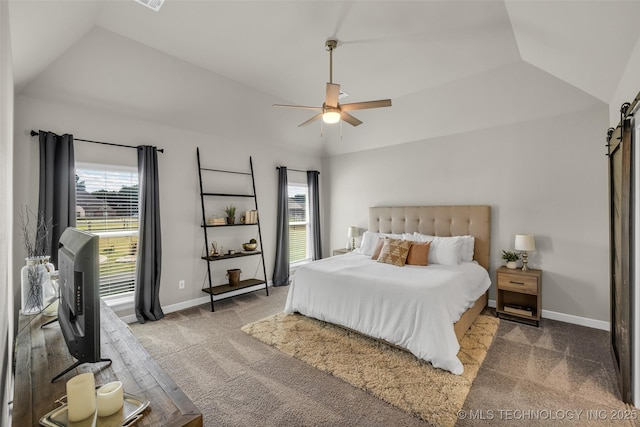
x: 331, y: 117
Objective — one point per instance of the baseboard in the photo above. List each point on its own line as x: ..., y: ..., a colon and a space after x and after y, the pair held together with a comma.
x: 569, y: 318
x: 199, y: 301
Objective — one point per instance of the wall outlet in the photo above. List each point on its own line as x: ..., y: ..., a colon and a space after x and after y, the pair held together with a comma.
x: 181, y: 284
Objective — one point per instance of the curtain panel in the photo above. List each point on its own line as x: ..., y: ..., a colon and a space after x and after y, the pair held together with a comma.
x: 281, y: 268
x: 57, y: 188
x: 147, y: 287
x: 313, y: 182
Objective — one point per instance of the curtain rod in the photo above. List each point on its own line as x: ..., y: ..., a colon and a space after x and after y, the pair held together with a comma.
x: 295, y: 170
x: 161, y: 150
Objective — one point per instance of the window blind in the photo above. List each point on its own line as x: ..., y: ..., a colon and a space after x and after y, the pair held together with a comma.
x: 107, y: 206
x: 298, y: 222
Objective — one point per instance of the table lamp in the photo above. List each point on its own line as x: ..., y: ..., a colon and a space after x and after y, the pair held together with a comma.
x: 352, y: 233
x: 524, y: 243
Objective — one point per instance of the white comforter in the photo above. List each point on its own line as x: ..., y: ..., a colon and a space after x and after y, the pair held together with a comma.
x: 413, y: 307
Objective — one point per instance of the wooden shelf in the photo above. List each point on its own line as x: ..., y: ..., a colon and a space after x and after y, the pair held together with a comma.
x: 236, y: 255
x: 226, y: 288
x: 226, y: 225
x: 228, y: 195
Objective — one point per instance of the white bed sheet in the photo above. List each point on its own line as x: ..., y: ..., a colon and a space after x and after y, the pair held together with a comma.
x: 412, y: 306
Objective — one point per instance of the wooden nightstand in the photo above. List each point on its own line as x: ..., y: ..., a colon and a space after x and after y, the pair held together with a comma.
x: 519, y: 294
x: 341, y: 251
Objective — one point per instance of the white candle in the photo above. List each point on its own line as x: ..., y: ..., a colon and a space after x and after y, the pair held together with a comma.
x: 81, y: 397
x: 110, y: 398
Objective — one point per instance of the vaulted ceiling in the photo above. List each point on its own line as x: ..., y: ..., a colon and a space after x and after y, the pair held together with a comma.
x: 217, y: 66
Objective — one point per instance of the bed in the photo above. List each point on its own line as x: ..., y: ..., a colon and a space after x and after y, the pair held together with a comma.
x: 425, y: 310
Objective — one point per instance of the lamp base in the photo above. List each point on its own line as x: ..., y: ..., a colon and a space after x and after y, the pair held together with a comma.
x: 525, y: 261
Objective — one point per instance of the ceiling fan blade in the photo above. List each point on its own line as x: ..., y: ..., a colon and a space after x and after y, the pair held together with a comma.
x: 365, y: 105
x: 333, y: 91
x: 349, y: 119
x: 297, y: 106
x: 311, y: 120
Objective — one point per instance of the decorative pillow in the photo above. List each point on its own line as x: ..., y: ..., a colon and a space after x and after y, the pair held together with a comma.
x: 418, y: 253
x: 445, y: 250
x: 378, y: 249
x: 394, y: 252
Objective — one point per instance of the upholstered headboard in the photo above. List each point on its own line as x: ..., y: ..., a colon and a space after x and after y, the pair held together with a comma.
x: 457, y: 220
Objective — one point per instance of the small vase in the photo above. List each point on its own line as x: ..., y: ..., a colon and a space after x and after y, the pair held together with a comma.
x: 512, y: 265
x: 33, y: 278
x: 231, y: 220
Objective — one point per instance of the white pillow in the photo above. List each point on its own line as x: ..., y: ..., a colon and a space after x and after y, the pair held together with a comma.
x: 409, y: 237
x: 466, y: 247
x: 466, y: 251
x: 417, y: 237
x: 445, y: 250
x: 370, y: 240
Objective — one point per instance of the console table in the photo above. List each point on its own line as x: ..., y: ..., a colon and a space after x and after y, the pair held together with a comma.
x: 41, y: 353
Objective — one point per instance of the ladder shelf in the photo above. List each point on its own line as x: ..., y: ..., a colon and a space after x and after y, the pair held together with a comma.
x: 249, y: 285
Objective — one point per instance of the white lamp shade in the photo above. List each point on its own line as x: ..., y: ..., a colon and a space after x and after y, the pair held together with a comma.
x: 331, y: 117
x: 525, y: 242
x: 353, y: 231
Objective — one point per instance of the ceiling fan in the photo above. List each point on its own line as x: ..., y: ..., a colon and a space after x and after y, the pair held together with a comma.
x: 332, y: 111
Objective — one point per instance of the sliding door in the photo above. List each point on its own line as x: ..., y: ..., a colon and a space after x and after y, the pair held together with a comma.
x: 621, y: 206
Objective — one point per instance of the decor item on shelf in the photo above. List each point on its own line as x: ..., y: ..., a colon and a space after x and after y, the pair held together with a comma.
x: 214, y: 249
x: 231, y: 214
x: 251, y: 217
x: 251, y: 246
x: 511, y: 258
x: 35, y: 273
x: 216, y: 221
x: 233, y: 275
x: 352, y: 233
x: 525, y: 243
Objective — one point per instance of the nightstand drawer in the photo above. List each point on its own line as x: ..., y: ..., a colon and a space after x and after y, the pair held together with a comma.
x: 518, y: 283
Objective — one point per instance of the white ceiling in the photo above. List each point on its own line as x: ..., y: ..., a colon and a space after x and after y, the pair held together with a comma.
x: 217, y: 66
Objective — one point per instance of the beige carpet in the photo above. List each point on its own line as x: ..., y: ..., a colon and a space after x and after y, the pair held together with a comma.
x: 391, y: 374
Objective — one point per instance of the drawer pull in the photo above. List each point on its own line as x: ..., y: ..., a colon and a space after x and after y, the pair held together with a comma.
x: 516, y: 283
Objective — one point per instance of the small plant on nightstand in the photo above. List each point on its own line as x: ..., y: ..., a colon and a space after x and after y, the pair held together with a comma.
x: 511, y: 258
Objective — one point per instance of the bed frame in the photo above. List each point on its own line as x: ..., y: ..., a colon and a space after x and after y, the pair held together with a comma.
x: 445, y: 221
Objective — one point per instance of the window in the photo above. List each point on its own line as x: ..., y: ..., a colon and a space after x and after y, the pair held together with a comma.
x: 298, y: 223
x: 107, y: 205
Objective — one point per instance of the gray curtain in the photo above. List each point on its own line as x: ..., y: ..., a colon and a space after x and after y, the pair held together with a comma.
x: 147, y: 288
x: 57, y: 192
x: 281, y: 269
x: 314, y: 213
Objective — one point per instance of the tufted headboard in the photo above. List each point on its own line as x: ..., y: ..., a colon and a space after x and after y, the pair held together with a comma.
x: 456, y: 220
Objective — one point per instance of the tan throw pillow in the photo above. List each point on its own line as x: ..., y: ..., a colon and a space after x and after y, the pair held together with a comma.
x: 378, y: 249
x: 418, y: 253
x: 394, y: 252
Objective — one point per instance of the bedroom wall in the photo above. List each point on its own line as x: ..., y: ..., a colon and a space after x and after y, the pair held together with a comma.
x: 6, y: 209
x: 179, y: 192
x: 628, y: 86
x: 547, y: 177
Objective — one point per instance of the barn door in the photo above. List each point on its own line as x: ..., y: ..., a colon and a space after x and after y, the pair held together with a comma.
x: 620, y: 206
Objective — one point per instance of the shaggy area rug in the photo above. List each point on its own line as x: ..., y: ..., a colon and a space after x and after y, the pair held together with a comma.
x: 385, y: 371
